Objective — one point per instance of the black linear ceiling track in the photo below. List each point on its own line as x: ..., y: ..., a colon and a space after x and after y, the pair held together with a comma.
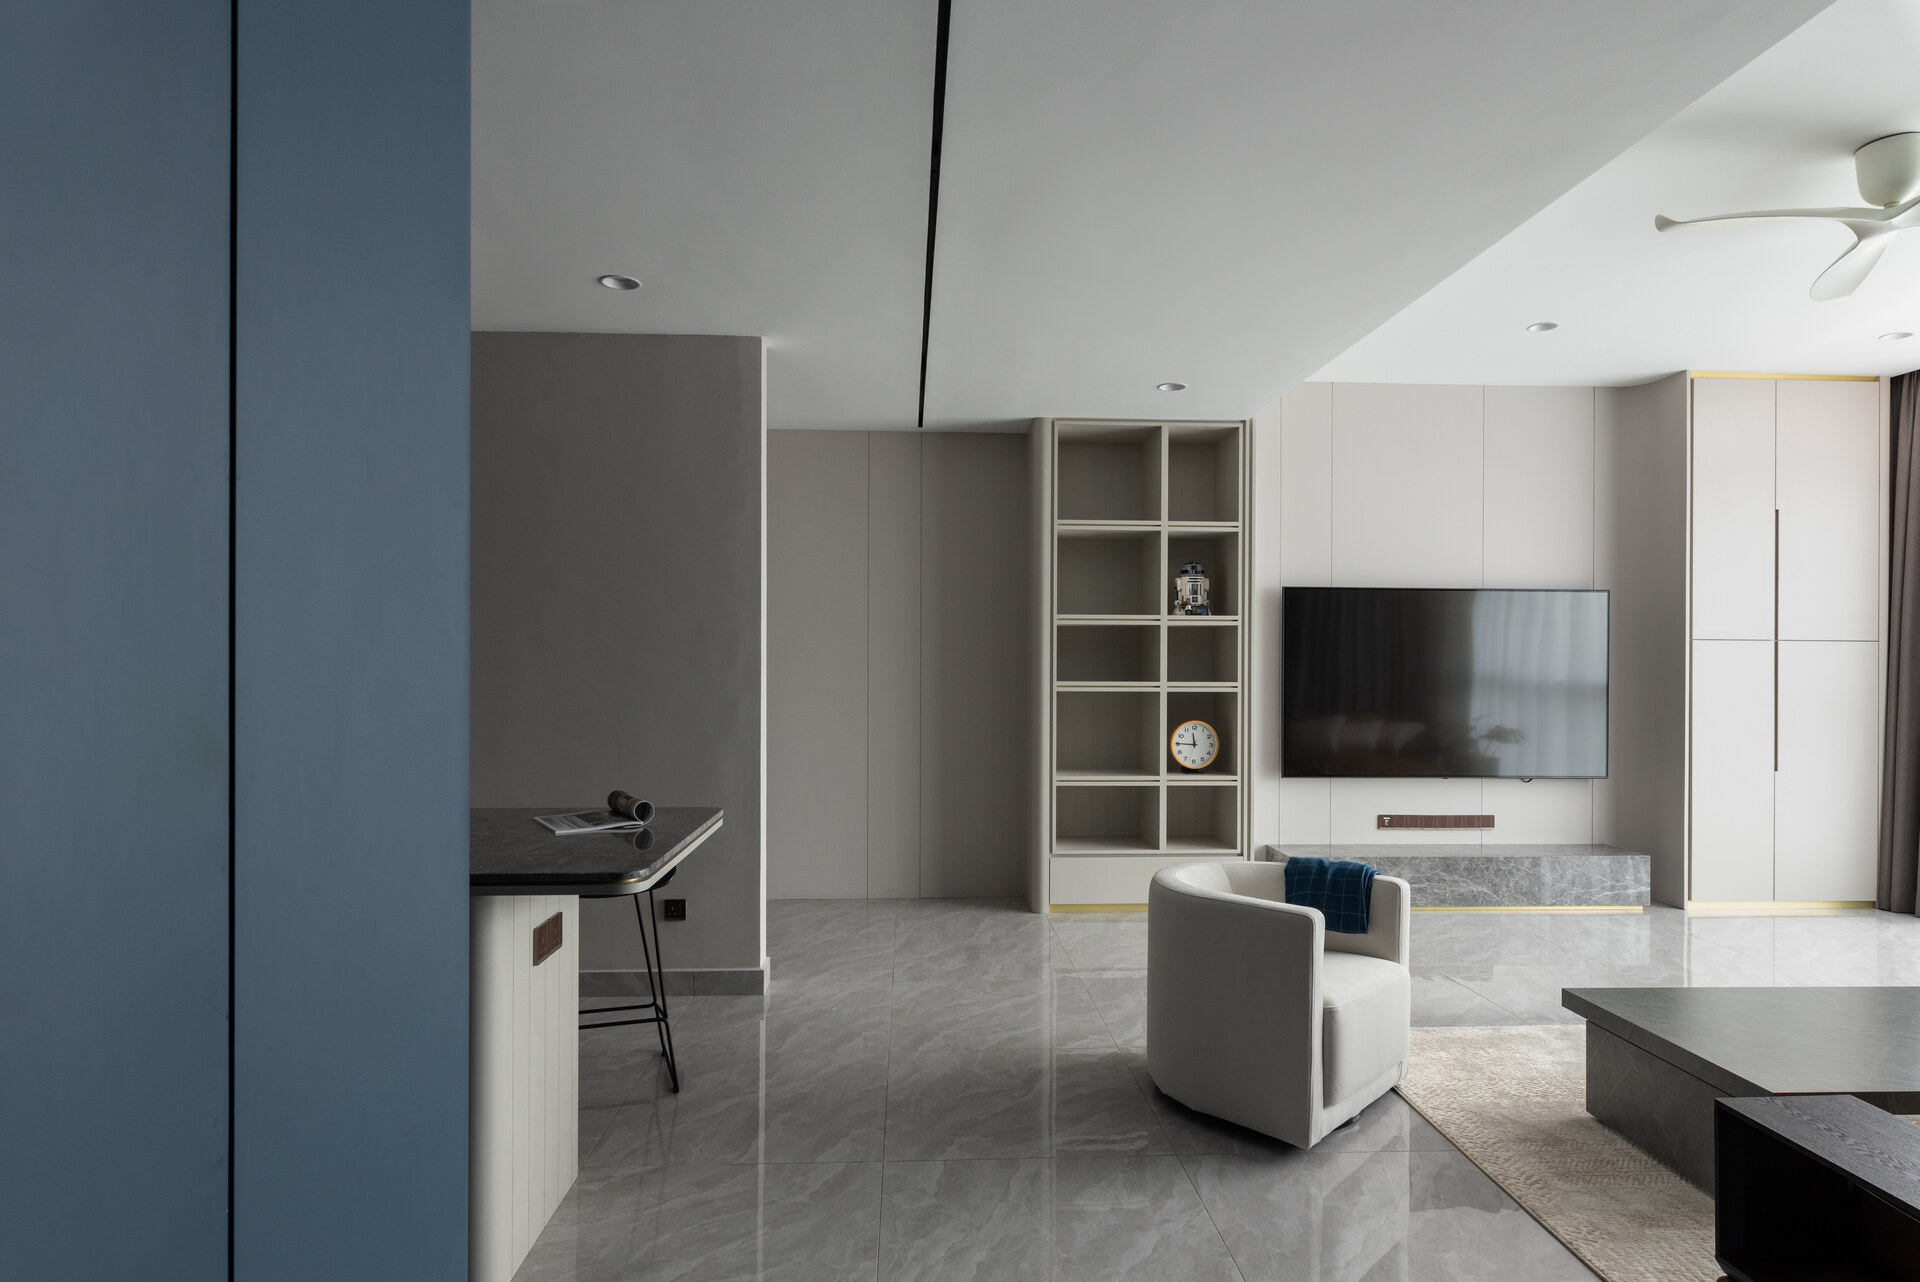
x: 933, y: 192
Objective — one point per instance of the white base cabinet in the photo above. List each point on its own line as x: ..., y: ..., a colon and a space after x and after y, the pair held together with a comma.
x: 524, y: 1077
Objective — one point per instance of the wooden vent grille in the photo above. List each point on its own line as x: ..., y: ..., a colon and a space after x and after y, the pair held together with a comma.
x: 1435, y: 821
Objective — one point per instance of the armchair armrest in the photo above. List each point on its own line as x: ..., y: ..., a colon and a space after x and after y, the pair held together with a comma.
x: 1389, y: 924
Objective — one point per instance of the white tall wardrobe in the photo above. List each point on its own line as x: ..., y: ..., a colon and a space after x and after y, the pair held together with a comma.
x: 1786, y: 622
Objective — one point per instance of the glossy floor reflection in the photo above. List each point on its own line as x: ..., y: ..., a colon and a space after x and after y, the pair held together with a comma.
x: 950, y: 1089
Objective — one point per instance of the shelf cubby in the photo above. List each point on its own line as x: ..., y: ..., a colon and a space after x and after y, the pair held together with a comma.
x: 1203, y: 473
x: 1107, y: 654
x: 1108, y: 473
x: 1106, y: 820
x: 1202, y: 654
x: 1107, y: 734
x: 1203, y: 819
x: 1219, y: 709
x: 1218, y: 553
x: 1107, y: 573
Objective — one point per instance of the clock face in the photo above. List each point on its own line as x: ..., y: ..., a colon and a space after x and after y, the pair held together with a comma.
x: 1194, y: 744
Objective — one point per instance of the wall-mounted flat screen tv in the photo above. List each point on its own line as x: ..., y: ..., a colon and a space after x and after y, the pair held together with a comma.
x: 1442, y: 682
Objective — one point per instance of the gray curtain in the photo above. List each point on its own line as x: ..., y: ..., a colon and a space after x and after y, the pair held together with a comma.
x: 1899, y: 888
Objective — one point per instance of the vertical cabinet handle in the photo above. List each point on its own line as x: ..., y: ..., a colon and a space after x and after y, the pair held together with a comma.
x: 1776, y: 640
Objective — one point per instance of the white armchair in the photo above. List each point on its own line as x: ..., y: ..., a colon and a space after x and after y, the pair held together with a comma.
x: 1256, y: 1013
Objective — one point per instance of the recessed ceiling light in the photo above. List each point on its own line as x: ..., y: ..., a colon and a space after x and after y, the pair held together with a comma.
x: 619, y: 282
x: 1171, y: 387
x: 1541, y: 327
x: 1897, y: 334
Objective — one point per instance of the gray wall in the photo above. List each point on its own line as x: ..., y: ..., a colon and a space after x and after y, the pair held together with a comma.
x: 618, y: 604
x: 897, y: 634
x: 233, y: 549
x: 1641, y: 487
x: 113, y: 640
x: 350, y: 650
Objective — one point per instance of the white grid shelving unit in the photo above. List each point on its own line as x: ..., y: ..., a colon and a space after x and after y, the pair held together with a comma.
x: 1118, y: 507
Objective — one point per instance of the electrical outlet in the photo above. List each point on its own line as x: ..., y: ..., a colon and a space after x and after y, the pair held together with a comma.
x: 674, y: 909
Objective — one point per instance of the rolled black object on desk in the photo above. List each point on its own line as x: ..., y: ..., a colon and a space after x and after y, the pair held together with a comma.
x: 625, y: 803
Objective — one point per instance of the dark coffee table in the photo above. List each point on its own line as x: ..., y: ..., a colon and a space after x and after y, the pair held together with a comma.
x: 1657, y: 1058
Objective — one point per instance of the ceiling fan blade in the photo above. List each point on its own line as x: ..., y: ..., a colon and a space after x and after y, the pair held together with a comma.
x: 1846, y: 272
x: 1839, y: 214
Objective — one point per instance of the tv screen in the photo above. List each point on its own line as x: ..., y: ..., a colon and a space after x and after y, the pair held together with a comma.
x: 1442, y: 682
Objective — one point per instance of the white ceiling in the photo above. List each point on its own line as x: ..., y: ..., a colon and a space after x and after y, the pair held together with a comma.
x: 1634, y: 303
x: 760, y: 166
x: 1216, y: 192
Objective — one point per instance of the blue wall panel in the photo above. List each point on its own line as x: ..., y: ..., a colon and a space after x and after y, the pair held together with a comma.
x: 113, y: 639
x: 351, y: 643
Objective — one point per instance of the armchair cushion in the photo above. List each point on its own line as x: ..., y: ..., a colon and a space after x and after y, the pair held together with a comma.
x: 1365, y: 1004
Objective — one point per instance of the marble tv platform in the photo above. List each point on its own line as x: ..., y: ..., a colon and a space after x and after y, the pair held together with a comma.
x: 1657, y: 1058
x: 1490, y: 876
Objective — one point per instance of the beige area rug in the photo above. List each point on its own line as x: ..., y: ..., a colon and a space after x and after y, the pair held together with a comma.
x: 1514, y: 1101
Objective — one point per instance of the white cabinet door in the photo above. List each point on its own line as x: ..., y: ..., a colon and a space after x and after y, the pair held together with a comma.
x: 1733, y: 502
x: 1828, y: 491
x: 1732, y: 768
x: 1827, y: 795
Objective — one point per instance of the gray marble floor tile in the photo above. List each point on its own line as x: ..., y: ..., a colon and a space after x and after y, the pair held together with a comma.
x: 1446, y: 941
x: 1098, y: 945
x: 1048, y: 1009
x: 1712, y: 966
x: 1121, y: 997
x: 1439, y: 1001
x: 1611, y: 939
x: 829, y: 940
x: 1133, y: 1217
x: 1342, y: 1217
x: 982, y: 941
x: 1016, y: 1102
x: 793, y: 1021
x: 804, y: 1222
x: 594, y: 1123
x: 601, y: 1224
x: 1098, y: 1107
x: 1319, y: 1216
x: 943, y: 1105
x: 821, y: 1104
x: 997, y: 1059
x: 977, y: 1221
x: 1531, y: 992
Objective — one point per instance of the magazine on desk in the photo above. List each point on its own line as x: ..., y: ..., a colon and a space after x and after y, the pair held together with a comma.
x: 624, y: 813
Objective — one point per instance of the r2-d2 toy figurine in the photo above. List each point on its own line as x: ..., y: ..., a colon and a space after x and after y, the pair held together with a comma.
x: 1190, y: 590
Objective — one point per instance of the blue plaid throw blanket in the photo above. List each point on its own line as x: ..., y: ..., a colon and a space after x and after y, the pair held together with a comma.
x: 1341, y: 889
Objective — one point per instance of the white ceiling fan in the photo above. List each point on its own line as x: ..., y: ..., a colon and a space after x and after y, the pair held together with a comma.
x: 1888, y: 170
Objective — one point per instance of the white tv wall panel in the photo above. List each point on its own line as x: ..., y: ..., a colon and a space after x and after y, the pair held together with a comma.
x: 1538, y: 518
x: 1733, y: 506
x: 1548, y: 812
x: 1828, y: 486
x: 1406, y: 486
x: 1733, y: 739
x: 1827, y: 793
x: 1359, y: 803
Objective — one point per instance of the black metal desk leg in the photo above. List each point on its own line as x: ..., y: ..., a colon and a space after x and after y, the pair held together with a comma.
x: 656, y: 988
x: 657, y: 970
